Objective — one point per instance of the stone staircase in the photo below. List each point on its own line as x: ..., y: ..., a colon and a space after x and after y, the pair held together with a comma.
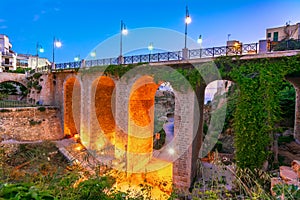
x: 288, y: 175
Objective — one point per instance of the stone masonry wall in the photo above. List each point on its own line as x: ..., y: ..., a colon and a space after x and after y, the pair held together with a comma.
x: 30, y: 124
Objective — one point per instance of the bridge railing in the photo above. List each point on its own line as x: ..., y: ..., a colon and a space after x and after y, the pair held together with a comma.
x: 68, y: 65
x: 241, y: 49
x: 284, y: 45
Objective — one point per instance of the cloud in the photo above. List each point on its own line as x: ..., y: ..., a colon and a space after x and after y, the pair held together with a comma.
x: 36, y: 18
x: 3, y: 27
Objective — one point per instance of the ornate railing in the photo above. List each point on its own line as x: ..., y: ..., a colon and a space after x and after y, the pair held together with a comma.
x: 241, y: 49
x: 68, y: 65
x: 284, y: 45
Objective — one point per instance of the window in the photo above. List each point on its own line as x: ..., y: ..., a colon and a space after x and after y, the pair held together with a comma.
x: 269, y: 35
x: 275, y: 37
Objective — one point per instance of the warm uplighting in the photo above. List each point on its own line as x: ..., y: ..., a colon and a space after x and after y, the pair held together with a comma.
x: 78, y: 148
x: 236, y: 44
x: 76, y: 136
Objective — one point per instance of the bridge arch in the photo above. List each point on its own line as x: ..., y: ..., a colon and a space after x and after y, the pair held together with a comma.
x: 102, y: 115
x: 72, y: 105
x: 13, y: 77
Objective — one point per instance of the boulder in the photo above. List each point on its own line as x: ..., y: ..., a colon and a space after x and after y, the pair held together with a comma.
x: 296, y: 167
x: 288, y: 174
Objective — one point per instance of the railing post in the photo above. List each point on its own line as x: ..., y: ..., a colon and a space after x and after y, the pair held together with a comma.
x: 213, y: 52
x: 157, y: 57
x: 256, y: 44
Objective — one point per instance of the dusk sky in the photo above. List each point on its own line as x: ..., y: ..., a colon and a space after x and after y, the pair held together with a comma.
x: 82, y: 24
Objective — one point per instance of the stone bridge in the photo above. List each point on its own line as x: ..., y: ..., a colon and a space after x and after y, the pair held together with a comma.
x: 14, y: 77
x: 114, y: 116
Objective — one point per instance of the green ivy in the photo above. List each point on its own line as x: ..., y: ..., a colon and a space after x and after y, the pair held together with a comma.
x: 258, y: 104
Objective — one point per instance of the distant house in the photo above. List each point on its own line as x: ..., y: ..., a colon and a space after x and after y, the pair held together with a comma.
x: 286, y: 32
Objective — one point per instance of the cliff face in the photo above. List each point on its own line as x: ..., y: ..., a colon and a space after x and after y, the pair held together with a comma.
x: 164, y: 105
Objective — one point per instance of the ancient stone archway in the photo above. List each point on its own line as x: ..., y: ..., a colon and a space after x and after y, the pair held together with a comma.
x: 102, y: 120
x: 13, y: 77
x: 72, y: 106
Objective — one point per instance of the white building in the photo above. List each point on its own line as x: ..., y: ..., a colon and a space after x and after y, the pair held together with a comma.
x: 8, y: 58
x: 30, y: 61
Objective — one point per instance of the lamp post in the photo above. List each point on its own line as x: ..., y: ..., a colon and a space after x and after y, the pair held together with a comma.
x: 200, y: 42
x: 123, y: 31
x: 188, y: 20
x: 77, y: 58
x: 56, y: 44
x: 228, y: 36
x: 40, y: 49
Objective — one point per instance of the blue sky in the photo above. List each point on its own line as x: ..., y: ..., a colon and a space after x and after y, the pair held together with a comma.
x: 82, y: 24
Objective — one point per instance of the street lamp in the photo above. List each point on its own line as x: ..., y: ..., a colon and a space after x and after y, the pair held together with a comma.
x: 123, y: 31
x: 228, y: 36
x: 40, y: 49
x: 93, y: 54
x: 56, y: 44
x: 200, y: 41
x: 188, y: 20
x: 150, y: 47
x: 77, y: 58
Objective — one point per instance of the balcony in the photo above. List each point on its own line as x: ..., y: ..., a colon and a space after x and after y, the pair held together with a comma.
x: 6, y: 54
x: 7, y: 64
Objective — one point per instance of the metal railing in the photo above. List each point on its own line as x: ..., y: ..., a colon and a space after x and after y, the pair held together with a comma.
x: 284, y: 45
x: 241, y: 49
x: 13, y: 104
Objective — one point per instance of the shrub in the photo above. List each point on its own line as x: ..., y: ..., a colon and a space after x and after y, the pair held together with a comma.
x: 42, y: 109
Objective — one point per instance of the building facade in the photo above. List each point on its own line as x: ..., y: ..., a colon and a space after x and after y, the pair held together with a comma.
x: 286, y: 32
x: 31, y: 61
x: 8, y: 58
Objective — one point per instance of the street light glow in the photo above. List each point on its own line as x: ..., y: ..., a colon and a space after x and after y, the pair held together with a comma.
x: 199, y: 39
x: 76, y: 59
x: 124, y: 31
x: 57, y: 44
x: 41, y: 50
x: 188, y: 20
x: 93, y: 54
x: 150, y: 46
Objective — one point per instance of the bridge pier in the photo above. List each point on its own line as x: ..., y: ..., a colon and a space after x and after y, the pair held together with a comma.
x: 296, y: 83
